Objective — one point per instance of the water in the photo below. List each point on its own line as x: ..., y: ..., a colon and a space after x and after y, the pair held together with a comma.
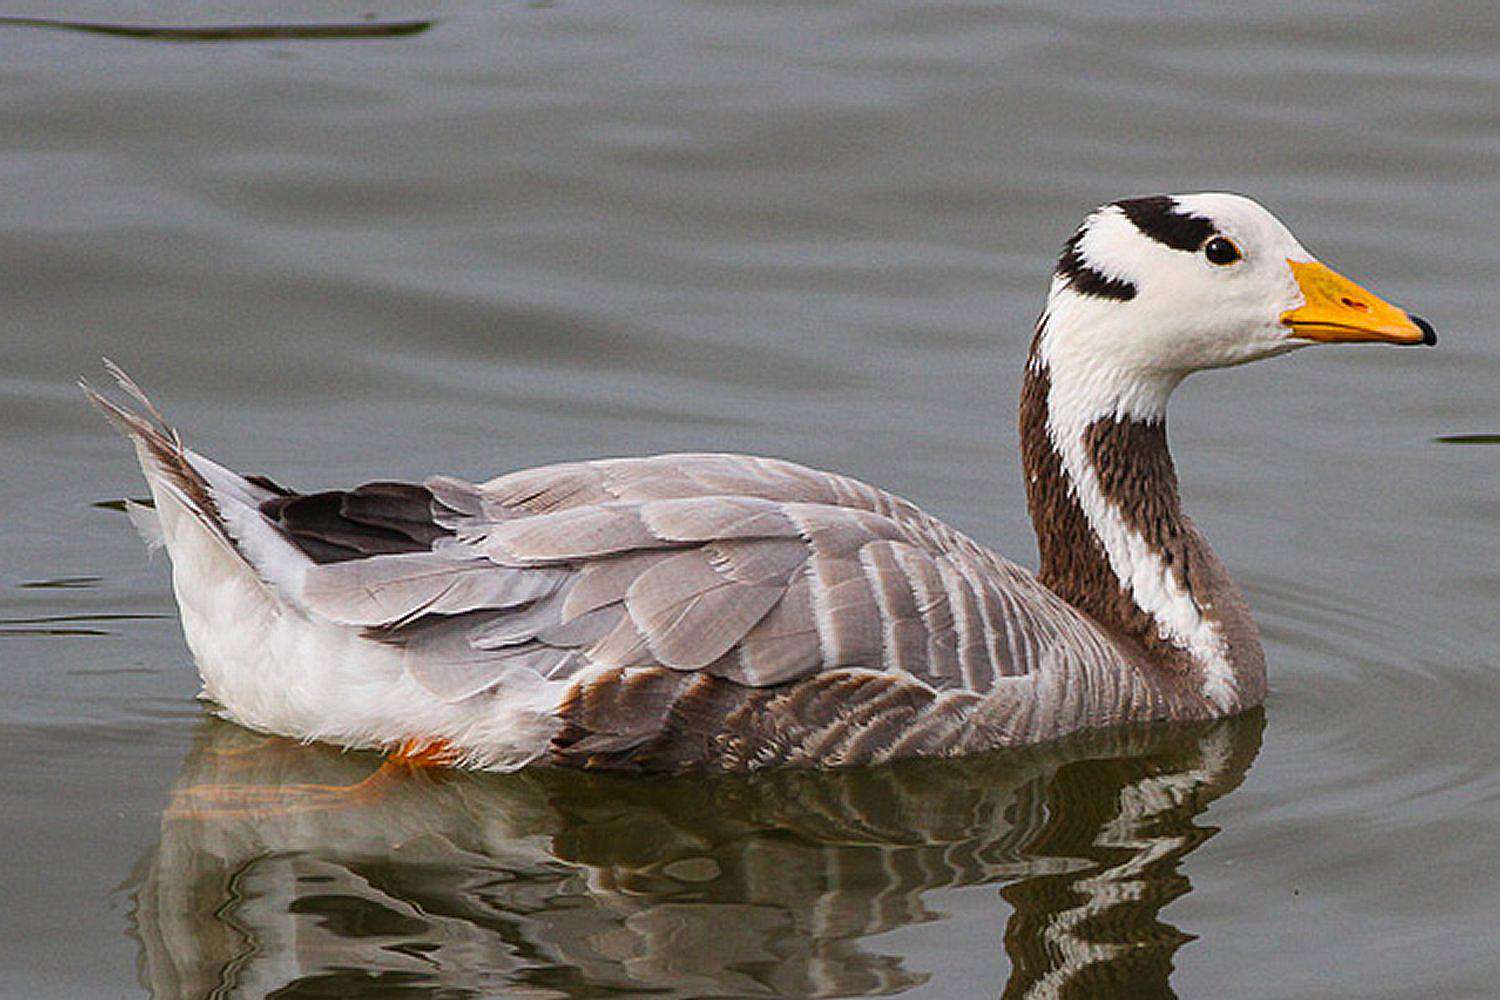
x: 819, y: 231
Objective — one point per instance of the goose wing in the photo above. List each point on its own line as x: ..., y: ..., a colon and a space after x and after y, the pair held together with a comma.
x: 642, y: 581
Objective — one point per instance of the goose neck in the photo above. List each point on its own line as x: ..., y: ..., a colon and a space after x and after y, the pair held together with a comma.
x: 1113, y: 541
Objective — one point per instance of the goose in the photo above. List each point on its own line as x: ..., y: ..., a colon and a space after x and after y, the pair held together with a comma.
x: 720, y: 611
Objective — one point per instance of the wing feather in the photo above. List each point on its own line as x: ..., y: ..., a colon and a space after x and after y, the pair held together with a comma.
x: 782, y: 646
x: 692, y: 614
x: 391, y: 589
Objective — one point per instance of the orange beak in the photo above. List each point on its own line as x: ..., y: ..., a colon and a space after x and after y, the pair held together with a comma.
x: 1340, y: 312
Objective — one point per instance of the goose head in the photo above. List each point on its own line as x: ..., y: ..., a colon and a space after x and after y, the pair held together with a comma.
x: 1149, y: 290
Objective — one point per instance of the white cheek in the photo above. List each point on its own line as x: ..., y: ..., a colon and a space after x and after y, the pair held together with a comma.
x: 1240, y: 314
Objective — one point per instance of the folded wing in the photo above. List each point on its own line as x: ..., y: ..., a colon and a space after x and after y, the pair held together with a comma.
x: 715, y: 578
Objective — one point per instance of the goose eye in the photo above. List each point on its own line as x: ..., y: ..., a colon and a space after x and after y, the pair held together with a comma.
x: 1221, y: 251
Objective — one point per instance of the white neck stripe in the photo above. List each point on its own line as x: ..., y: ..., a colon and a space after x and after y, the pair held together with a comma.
x: 1073, y: 405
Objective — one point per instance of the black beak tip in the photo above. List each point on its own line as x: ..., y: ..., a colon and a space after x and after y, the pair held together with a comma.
x: 1429, y: 335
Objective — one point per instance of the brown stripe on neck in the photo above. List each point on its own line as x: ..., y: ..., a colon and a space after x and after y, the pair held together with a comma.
x: 1074, y: 564
x: 1138, y: 479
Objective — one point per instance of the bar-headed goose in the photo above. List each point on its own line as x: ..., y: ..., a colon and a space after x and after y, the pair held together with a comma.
x: 727, y: 611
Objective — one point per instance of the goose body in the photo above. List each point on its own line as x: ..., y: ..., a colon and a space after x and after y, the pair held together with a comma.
x: 729, y: 611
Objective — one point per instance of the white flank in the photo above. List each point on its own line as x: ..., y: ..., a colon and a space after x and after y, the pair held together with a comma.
x: 276, y: 666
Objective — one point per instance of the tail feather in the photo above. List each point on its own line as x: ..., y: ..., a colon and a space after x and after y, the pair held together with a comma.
x: 138, y: 394
x: 160, y: 449
x: 226, y: 503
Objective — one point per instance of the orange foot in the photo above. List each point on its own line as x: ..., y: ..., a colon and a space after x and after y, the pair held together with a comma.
x: 415, y: 754
x: 226, y: 799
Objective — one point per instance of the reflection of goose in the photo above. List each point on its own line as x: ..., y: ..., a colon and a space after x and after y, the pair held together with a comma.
x: 556, y: 883
x: 685, y: 610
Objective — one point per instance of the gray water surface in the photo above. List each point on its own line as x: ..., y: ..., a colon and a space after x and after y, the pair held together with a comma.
x: 822, y: 231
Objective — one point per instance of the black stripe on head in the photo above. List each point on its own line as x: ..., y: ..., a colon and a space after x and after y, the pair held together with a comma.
x: 1087, y: 280
x: 1160, y: 218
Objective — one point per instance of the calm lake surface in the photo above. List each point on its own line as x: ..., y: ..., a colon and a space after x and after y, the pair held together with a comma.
x: 821, y: 231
